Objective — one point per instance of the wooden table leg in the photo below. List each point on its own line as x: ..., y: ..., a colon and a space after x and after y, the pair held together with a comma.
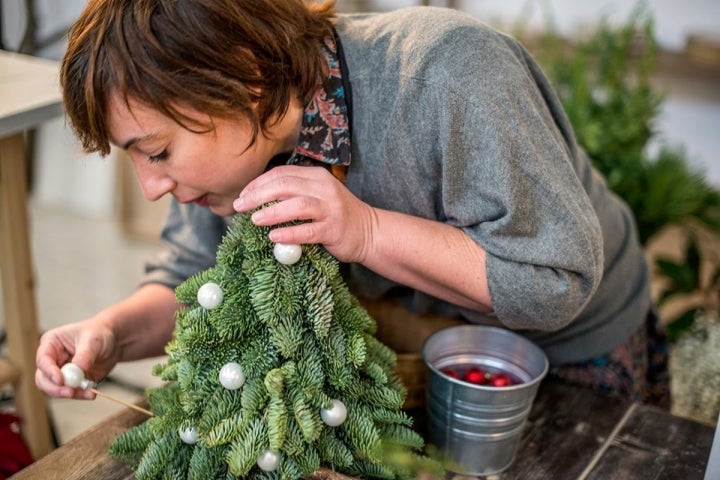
x: 16, y: 275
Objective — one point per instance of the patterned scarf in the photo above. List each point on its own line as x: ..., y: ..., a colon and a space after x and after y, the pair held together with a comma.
x: 325, y: 131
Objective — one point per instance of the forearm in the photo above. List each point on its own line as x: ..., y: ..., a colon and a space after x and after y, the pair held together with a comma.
x: 142, y: 323
x: 429, y: 256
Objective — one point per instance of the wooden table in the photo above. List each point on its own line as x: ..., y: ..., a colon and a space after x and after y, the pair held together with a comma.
x: 571, y: 433
x: 29, y: 95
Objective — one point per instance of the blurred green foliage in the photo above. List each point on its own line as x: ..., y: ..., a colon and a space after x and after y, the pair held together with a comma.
x: 604, y: 81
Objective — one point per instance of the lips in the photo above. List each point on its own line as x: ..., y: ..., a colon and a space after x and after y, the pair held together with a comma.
x: 202, y: 200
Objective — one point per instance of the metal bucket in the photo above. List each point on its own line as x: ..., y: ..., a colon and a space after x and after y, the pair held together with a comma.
x: 478, y: 427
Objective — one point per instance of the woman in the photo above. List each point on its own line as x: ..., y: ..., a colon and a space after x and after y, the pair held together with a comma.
x: 423, y: 149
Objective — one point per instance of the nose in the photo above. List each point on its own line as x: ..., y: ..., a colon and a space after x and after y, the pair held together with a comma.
x: 154, y: 183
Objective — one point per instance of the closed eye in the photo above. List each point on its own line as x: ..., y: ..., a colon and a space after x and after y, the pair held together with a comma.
x: 160, y: 156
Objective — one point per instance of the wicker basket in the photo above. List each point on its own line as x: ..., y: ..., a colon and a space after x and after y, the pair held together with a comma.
x: 405, y: 332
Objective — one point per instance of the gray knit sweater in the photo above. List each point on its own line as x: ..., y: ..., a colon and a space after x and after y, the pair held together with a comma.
x: 455, y: 122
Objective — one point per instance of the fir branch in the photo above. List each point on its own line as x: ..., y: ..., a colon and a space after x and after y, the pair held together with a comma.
x: 308, y: 460
x: 158, y: 456
x: 186, y: 373
x: 179, y: 464
x: 310, y: 374
x: 287, y: 335
x: 166, y: 371
x: 207, y: 463
x: 307, y: 419
x: 290, y: 468
x: 253, y: 397
x: 130, y: 445
x: 247, y: 446
x: 222, y: 405
x: 277, y: 419
x: 259, y: 355
x: 338, y: 372
x: 334, y: 451
x: 263, y: 292
x: 378, y: 395
x: 386, y: 415
x: 322, y: 261
x: 356, y: 349
x: 376, y: 373
x: 319, y: 304
x: 233, y: 320
x: 367, y: 469
x: 294, y: 439
x: 380, y: 353
x: 224, y: 431
x: 363, y: 434
x: 401, y: 435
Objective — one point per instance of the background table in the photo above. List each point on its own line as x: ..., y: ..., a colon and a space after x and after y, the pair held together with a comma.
x: 29, y: 95
x: 571, y: 433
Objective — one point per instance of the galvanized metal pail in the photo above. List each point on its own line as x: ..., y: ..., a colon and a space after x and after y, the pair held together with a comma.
x: 478, y: 427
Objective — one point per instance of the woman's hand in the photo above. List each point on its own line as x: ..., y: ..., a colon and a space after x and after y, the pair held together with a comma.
x: 433, y: 257
x: 89, y: 344
x: 332, y: 215
x: 137, y: 327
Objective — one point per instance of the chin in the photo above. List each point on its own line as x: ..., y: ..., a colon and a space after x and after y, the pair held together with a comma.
x: 222, y: 210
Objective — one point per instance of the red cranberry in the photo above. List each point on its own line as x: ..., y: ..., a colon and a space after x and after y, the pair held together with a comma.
x: 501, y: 380
x: 475, y: 375
x: 450, y: 372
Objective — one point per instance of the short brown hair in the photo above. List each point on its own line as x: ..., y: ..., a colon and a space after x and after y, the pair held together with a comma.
x: 219, y: 57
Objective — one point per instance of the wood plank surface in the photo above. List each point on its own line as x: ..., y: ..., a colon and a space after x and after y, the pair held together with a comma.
x: 572, y: 433
x: 565, y: 429
x: 653, y: 445
x: 86, y: 456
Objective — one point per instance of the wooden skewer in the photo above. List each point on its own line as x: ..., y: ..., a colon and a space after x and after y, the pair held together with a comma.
x: 115, y: 399
x: 73, y: 376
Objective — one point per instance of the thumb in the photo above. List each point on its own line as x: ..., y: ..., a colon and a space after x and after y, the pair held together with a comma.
x: 85, y: 355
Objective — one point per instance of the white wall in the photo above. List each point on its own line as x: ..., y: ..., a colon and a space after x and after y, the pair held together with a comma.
x: 673, y: 19
x: 64, y: 177
x: 68, y: 180
x: 691, y: 112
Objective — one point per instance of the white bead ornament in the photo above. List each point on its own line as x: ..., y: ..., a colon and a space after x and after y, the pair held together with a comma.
x: 231, y: 376
x: 268, y: 461
x: 74, y: 377
x: 189, y: 435
x: 287, y: 253
x: 335, y: 415
x: 210, y: 295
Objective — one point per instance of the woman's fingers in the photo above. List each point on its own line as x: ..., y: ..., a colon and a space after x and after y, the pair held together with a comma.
x: 55, y: 389
x: 282, y: 183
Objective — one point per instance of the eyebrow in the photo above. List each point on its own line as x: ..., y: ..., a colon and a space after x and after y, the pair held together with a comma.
x: 135, y: 140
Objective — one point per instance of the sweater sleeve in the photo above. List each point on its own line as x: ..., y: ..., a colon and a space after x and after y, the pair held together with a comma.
x: 189, y: 238
x: 454, y: 122
x: 511, y: 182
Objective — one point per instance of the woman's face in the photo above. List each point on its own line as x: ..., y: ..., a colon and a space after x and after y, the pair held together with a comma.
x: 209, y: 169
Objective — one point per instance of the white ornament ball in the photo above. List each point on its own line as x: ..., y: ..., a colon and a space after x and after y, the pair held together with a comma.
x: 231, y: 376
x: 268, y: 461
x: 335, y: 415
x: 73, y: 376
x: 287, y: 253
x: 210, y: 295
x: 188, y: 435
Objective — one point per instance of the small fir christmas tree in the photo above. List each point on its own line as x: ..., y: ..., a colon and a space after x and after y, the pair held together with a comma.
x: 273, y: 372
